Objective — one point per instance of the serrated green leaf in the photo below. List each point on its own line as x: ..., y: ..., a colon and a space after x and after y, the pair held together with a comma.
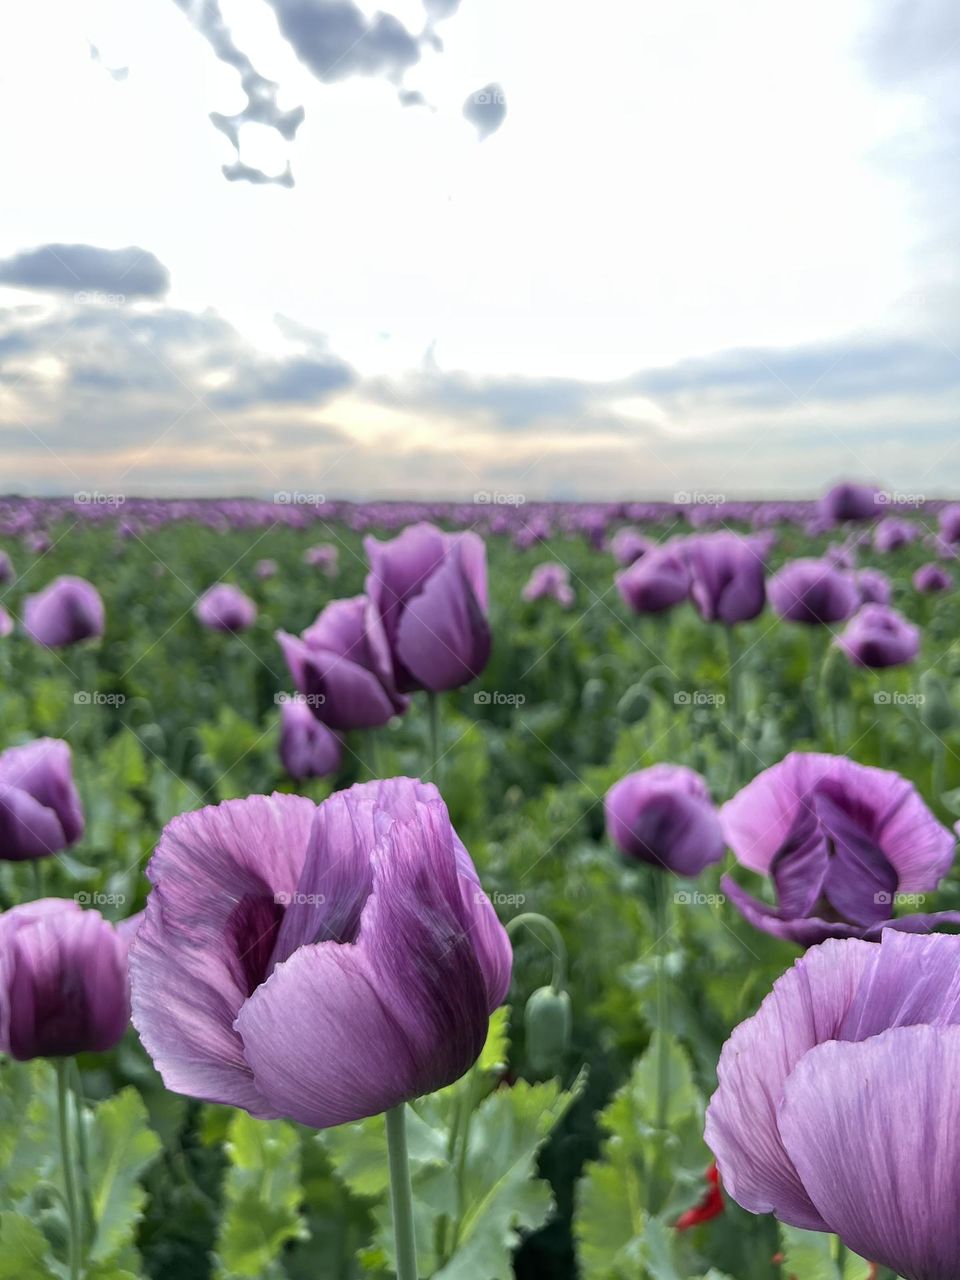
x: 24, y: 1251
x: 262, y: 1196
x: 497, y: 1045
x: 813, y: 1254
x: 122, y: 1146
x: 612, y: 1225
x: 501, y: 1193
x: 358, y: 1151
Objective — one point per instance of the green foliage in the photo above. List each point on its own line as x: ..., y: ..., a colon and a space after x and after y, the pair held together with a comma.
x: 262, y: 1197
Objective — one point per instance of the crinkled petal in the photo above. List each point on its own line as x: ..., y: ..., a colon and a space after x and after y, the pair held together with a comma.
x: 806, y: 1006
x: 873, y: 1130
x: 43, y: 768
x: 220, y: 877
x: 804, y: 930
x: 912, y: 980
x: 339, y: 1032
x: 443, y: 638
x: 66, y: 986
x: 28, y: 829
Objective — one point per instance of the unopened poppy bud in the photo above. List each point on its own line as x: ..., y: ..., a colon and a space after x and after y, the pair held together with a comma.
x: 547, y: 1022
x: 593, y: 694
x: 634, y: 704
x: 936, y: 710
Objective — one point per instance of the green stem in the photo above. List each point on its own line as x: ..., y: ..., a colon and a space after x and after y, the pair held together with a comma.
x: 36, y: 875
x: 558, y: 950
x: 433, y: 714
x: 662, y: 923
x: 841, y: 1257
x: 401, y: 1194
x: 66, y: 1159
x: 464, y: 1118
x: 734, y: 708
x: 84, y: 1156
x: 371, y: 744
x: 939, y: 771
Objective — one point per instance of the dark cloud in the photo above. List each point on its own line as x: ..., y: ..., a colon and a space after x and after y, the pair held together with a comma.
x: 767, y: 381
x: 336, y: 40
x: 261, y: 93
x: 486, y: 109
x: 116, y: 73
x: 84, y: 268
x: 299, y: 380
x: 132, y: 378
x: 240, y: 172
x: 838, y: 371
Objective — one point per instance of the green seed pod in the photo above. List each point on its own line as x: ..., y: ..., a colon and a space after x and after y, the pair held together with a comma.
x: 547, y: 1022
x: 593, y: 695
x: 936, y: 710
x: 634, y: 704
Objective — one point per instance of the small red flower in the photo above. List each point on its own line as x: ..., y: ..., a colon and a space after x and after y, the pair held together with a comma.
x: 709, y: 1206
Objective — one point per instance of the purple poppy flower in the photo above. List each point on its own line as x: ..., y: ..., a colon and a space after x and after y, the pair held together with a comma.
x: 657, y: 581
x: 225, y: 608
x: 65, y: 612
x: 950, y: 523
x: 308, y: 749
x: 839, y: 840
x: 848, y: 501
x: 63, y: 980
x: 430, y: 589
x: 836, y: 1108
x: 341, y: 665
x: 841, y: 555
x: 7, y: 573
x: 932, y: 577
x: 319, y: 962
x: 265, y: 569
x: 813, y: 592
x: 892, y: 534
x: 38, y: 542
x: 6, y: 623
x: 664, y: 816
x: 40, y: 810
x: 874, y: 587
x: 324, y: 556
x: 629, y: 545
x: 727, y: 574
x: 551, y: 580
x: 879, y: 637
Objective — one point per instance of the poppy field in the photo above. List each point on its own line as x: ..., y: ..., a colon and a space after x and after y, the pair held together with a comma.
x: 476, y: 891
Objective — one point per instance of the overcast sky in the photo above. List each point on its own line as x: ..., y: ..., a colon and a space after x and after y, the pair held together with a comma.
x: 617, y: 248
